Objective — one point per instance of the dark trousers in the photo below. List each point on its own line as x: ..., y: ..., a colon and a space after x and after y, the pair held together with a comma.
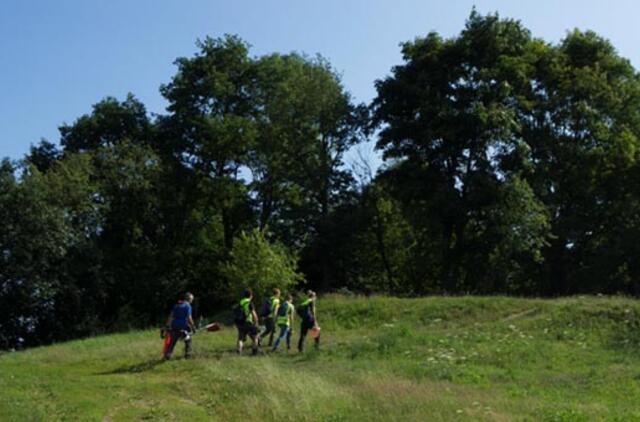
x: 270, y: 326
x: 304, y: 328
x: 248, y: 329
x: 175, y: 336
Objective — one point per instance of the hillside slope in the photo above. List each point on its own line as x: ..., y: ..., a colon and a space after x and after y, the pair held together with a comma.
x: 467, y: 358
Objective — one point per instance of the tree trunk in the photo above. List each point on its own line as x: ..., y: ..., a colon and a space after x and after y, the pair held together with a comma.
x: 382, y: 250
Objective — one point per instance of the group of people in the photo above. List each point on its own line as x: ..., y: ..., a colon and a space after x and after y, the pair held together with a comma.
x: 277, y: 316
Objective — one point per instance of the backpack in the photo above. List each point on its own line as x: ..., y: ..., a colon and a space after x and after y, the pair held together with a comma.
x: 265, y: 309
x: 282, y: 310
x: 239, y: 316
x: 304, y: 312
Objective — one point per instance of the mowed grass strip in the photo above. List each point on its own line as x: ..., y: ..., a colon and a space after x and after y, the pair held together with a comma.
x: 437, y: 359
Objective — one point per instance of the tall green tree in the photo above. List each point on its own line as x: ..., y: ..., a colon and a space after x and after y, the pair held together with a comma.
x: 447, y: 113
x: 46, y: 271
x: 582, y: 130
x: 307, y: 122
x: 211, y: 126
x: 472, y: 118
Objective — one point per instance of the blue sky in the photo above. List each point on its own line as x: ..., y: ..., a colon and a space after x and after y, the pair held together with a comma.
x: 57, y: 58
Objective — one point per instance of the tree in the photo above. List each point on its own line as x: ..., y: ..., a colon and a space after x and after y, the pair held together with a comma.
x: 286, y: 119
x: 306, y: 123
x: 469, y: 119
x: 110, y: 122
x: 127, y: 177
x: 211, y: 127
x: 48, y: 220
x: 373, y: 245
x: 43, y: 155
x: 447, y: 113
x: 259, y: 264
x: 582, y: 131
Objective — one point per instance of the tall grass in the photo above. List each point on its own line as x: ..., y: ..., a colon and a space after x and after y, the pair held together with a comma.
x: 462, y: 358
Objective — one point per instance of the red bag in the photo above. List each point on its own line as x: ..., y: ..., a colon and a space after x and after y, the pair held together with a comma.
x: 167, y: 340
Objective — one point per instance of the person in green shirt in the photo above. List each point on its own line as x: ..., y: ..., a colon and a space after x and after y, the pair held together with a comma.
x: 269, y: 315
x: 284, y: 320
x: 248, y: 324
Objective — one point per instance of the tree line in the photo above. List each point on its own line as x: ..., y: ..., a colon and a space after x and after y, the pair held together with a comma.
x: 510, y: 166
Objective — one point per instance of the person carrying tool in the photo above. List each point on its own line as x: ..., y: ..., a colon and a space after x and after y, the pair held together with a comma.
x: 307, y: 313
x: 180, y: 325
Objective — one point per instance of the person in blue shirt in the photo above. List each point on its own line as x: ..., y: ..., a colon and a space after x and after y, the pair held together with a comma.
x: 181, y: 325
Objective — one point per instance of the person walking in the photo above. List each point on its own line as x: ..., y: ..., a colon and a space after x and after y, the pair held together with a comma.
x: 181, y: 326
x: 307, y: 313
x: 246, y: 321
x: 270, y: 308
x: 284, y: 321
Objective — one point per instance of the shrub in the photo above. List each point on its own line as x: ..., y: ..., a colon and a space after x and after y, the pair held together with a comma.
x: 259, y: 264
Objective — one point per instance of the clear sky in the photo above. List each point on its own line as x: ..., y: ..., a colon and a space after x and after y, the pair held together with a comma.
x: 57, y: 58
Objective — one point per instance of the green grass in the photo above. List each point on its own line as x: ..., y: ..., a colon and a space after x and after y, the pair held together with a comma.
x: 447, y: 359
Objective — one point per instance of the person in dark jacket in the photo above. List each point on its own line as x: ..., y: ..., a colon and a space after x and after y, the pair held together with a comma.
x: 307, y: 312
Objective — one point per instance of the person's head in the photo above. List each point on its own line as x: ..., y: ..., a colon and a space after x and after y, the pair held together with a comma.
x: 289, y: 298
x: 248, y: 293
x: 276, y: 292
x: 311, y: 294
x: 187, y: 297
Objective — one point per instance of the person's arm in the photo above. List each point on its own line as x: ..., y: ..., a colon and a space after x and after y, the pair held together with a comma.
x: 274, y: 314
x: 256, y: 320
x: 291, y: 317
x: 190, y: 320
x: 315, y: 320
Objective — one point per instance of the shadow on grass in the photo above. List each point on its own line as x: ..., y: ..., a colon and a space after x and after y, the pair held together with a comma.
x: 136, y: 368
x: 211, y: 354
x: 216, y: 353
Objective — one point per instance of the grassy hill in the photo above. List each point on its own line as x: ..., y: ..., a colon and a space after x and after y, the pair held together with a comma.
x: 448, y: 359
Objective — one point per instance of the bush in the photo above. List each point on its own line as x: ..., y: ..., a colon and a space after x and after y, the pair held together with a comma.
x: 259, y: 264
